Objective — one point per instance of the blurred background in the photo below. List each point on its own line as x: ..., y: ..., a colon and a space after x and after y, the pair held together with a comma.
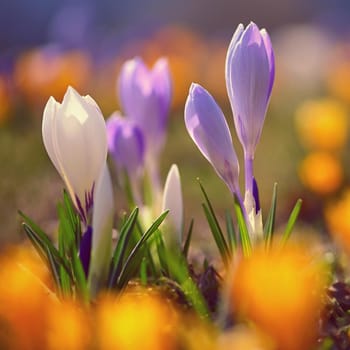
x: 46, y: 45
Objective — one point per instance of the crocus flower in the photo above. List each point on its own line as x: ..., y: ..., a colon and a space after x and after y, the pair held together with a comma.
x: 75, y: 138
x: 145, y: 97
x: 250, y: 72
x: 126, y: 144
x: 172, y: 201
x: 208, y: 128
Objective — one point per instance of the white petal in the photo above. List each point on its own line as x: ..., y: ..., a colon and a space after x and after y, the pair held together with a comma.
x: 172, y: 200
x: 102, y: 223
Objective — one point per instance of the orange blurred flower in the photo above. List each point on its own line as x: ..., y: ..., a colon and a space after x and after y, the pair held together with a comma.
x: 45, y: 72
x: 321, y: 172
x: 337, y: 218
x: 68, y: 326
x: 4, y: 101
x: 24, y: 299
x: 281, y: 291
x: 135, y: 322
x: 322, y: 124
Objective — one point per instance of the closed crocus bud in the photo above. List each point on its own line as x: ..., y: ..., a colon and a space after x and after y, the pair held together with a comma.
x: 208, y: 128
x: 250, y: 72
x: 75, y: 138
x: 102, y: 222
x: 172, y: 201
x: 145, y: 97
x: 125, y: 144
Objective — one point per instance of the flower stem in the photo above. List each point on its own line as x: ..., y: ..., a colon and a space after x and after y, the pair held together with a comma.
x: 249, y: 177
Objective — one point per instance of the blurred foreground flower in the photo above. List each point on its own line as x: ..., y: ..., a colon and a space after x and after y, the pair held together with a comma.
x: 281, y: 291
x: 75, y: 139
x: 135, y: 321
x: 321, y: 172
x: 24, y: 299
x: 322, y: 124
x: 337, y: 215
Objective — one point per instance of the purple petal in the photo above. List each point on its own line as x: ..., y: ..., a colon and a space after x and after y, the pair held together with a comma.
x: 85, y: 250
x: 208, y: 128
x: 256, y: 196
x: 145, y: 97
x: 126, y: 144
x: 249, y: 79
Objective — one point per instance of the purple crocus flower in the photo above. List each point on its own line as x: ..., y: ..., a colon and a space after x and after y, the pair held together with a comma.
x: 145, y: 97
x: 126, y: 145
x: 208, y: 128
x: 250, y: 72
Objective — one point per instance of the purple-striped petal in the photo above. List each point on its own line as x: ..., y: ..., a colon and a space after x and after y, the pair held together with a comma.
x: 208, y: 128
x: 249, y: 80
x: 85, y: 250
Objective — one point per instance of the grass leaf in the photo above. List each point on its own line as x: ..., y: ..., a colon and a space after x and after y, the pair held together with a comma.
x: 270, y: 222
x: 291, y: 221
x: 188, y: 240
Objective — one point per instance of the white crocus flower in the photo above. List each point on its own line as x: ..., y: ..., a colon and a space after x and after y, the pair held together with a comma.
x: 172, y: 201
x: 255, y: 224
x: 102, y: 224
x: 74, y: 134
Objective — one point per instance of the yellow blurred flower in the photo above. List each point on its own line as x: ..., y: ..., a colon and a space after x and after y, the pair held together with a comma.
x: 337, y: 216
x: 134, y: 321
x: 322, y: 124
x: 68, y: 326
x: 281, y: 291
x: 45, y: 72
x: 321, y: 172
x: 24, y: 299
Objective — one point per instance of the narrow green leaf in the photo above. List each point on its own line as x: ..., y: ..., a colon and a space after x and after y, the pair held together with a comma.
x: 231, y: 234
x: 118, y: 255
x: 143, y: 272
x: 188, y: 240
x: 215, y: 227
x: 218, y: 237
x: 133, y: 258
x: 291, y: 221
x: 44, y: 253
x: 270, y: 222
x: 179, y: 271
x: 80, y: 278
x: 243, y: 230
x: 161, y: 250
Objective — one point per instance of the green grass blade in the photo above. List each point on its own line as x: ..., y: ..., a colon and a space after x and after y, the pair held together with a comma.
x: 231, y: 234
x: 179, y: 271
x: 215, y: 227
x: 119, y: 252
x: 44, y: 253
x: 291, y: 221
x: 243, y: 230
x: 133, y: 260
x: 270, y: 222
x: 188, y: 240
x: 80, y: 278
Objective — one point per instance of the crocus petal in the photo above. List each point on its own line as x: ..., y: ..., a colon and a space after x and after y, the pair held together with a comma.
x: 126, y: 144
x: 75, y: 138
x: 249, y: 79
x: 102, y: 223
x: 172, y: 201
x: 208, y: 128
x: 145, y: 98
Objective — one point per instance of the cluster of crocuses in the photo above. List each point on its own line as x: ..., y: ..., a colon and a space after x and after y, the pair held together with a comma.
x: 77, y: 140
x: 249, y: 73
